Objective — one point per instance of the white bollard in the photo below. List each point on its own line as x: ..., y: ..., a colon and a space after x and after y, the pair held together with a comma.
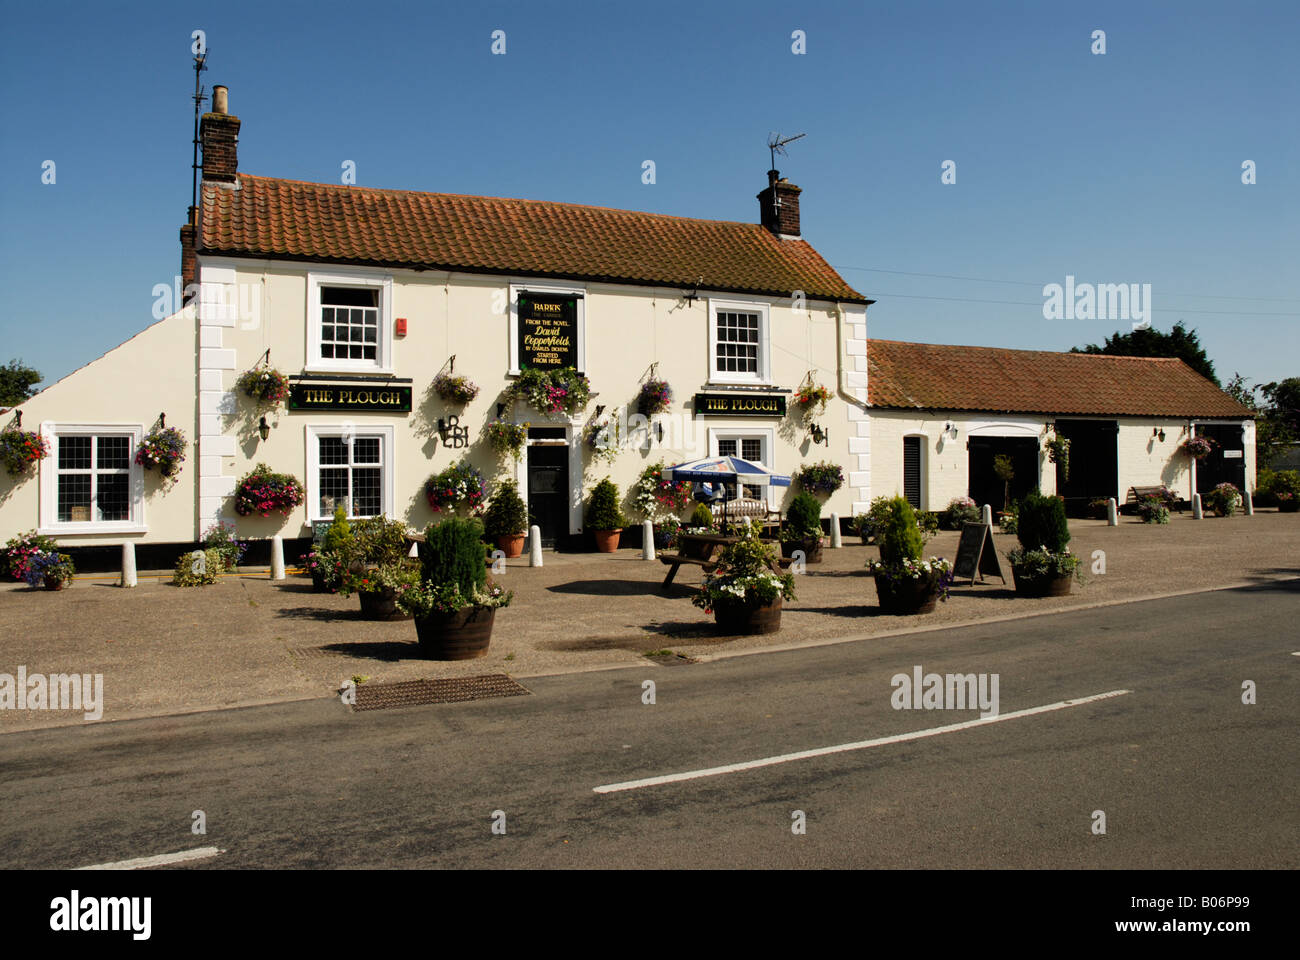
x: 986, y: 515
x: 534, y: 546
x: 1197, y: 512
x: 647, y: 540
x: 835, y: 532
x: 1248, y: 503
x: 128, y: 565
x: 1112, y: 512
x: 277, y: 557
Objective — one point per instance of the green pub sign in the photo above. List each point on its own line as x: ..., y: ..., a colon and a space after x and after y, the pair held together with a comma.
x: 330, y: 396
x: 739, y: 405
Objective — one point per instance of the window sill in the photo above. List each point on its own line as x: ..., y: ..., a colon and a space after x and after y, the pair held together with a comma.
x: 82, y: 529
x: 352, y: 371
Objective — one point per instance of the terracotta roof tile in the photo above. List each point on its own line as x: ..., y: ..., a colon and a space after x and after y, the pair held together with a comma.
x: 291, y: 219
x: 935, y: 376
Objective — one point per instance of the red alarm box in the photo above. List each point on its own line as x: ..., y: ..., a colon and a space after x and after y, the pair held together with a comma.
x: 401, y: 326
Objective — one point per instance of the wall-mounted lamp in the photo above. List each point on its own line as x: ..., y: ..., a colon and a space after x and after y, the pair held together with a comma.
x: 1159, y: 432
x: 263, y: 428
x: 18, y: 419
x: 600, y: 408
x: 442, y: 426
x: 695, y: 293
x: 501, y: 408
x: 819, y: 435
x: 659, y: 430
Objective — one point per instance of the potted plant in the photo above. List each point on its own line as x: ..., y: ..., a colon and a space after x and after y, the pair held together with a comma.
x: 1009, y: 520
x: 221, y: 537
x: 812, y: 398
x: 960, y: 510
x: 744, y: 592
x: 1042, y: 566
x: 454, y: 603
x: 563, y: 390
x: 905, y: 583
x: 263, y: 491
x: 603, y: 517
x: 506, y: 520
x: 328, y: 562
x: 1099, y: 507
x: 50, y: 569
x: 1153, y: 510
x: 454, y: 389
x: 381, y: 569
x: 1006, y: 472
x: 823, y: 478
x: 656, y: 498
x: 266, y: 386
x: 19, y: 449
x: 460, y: 485
x: 655, y: 396
x: 1223, y: 500
x: 162, y: 449
x: 1198, y: 448
x: 802, y: 529
x: 16, y: 557
x: 701, y: 518
x: 507, y: 438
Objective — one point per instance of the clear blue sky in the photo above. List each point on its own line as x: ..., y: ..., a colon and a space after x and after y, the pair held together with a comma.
x: 1115, y: 169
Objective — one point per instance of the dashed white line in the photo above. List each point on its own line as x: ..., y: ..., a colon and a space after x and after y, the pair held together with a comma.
x: 846, y: 747
x: 162, y: 859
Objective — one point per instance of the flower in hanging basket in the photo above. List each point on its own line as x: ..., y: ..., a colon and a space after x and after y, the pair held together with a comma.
x: 1058, y: 452
x: 812, y: 398
x: 21, y: 448
x: 265, y: 492
x: 655, y: 397
x: 824, y: 477
x: 454, y: 389
x: 163, y: 450
x: 507, y: 437
x: 563, y: 390
x: 265, y: 385
x: 1198, y: 448
x: 656, y: 497
x: 460, y: 485
x: 603, y: 438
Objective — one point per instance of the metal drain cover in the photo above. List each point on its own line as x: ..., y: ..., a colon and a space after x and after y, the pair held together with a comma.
x: 407, y: 693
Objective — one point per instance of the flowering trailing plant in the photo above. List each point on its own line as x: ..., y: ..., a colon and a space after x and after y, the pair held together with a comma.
x: 263, y: 491
x: 507, y: 437
x: 936, y: 569
x: 221, y: 537
x: 1153, y: 510
x: 454, y: 389
x: 824, y: 477
x: 603, y: 438
x: 324, y: 566
x: 656, y: 396
x: 19, y: 449
x: 199, y: 568
x: 563, y: 390
x: 266, y: 385
x: 654, y: 496
x: 1198, y: 448
x: 49, y: 566
x: 458, y: 485
x: 17, y: 554
x: 812, y: 398
x: 163, y: 449
x: 1042, y: 563
x: 960, y: 510
x: 744, y: 574
x: 1224, y: 499
x: 1058, y: 452
x: 398, y: 577
x: 427, y: 597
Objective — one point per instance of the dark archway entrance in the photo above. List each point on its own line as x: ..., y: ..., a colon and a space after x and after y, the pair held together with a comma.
x: 1094, y: 463
x: 984, y: 485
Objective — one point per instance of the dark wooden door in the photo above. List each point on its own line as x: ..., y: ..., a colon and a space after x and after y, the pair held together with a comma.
x: 548, y: 491
x: 1226, y: 462
x: 1094, y: 463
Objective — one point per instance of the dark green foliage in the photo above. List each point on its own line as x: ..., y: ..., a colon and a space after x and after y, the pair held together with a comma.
x: 701, y: 516
x: 338, y: 538
x: 380, y: 540
x: 452, y: 553
x: 1041, y: 523
x: 803, y: 516
x: 898, y: 535
x: 17, y: 383
x: 1152, y: 343
x: 602, y: 508
x: 507, y: 514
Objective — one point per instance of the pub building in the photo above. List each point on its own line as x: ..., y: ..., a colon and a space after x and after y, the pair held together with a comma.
x: 363, y: 296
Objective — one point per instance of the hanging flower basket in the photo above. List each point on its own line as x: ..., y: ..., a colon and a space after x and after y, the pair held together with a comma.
x: 1058, y: 452
x: 552, y: 391
x: 507, y: 437
x: 603, y: 439
x: 1198, y: 448
x: 265, y: 492
x: 655, y: 397
x: 812, y: 398
x: 267, y: 386
x: 655, y: 497
x: 21, y: 448
x: 162, y: 450
x: 460, y: 485
x: 824, y: 477
x: 453, y: 389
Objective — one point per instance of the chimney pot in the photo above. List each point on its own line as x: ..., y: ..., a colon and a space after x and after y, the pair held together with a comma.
x: 220, y: 99
x: 219, y: 138
x: 778, y: 206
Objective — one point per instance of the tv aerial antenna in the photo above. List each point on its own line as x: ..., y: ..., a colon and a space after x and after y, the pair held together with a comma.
x: 200, y: 64
x: 776, y: 144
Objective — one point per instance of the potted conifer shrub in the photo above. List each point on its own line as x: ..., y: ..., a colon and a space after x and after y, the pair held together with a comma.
x: 803, y: 528
x: 1043, y: 566
x: 328, y: 561
x: 506, y: 520
x: 603, y: 517
x: 905, y: 582
x: 745, y: 591
x: 454, y: 604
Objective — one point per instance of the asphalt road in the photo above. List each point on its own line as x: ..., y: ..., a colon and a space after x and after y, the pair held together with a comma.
x: 1187, y: 775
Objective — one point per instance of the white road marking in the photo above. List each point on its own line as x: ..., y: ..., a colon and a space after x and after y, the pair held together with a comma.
x: 846, y: 747
x: 140, y: 863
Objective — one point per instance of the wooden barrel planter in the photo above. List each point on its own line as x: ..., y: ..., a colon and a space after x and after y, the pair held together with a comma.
x: 55, y: 583
x: 1042, y: 586
x: 811, y: 547
x: 904, y: 597
x: 463, y: 635
x: 1288, y: 506
x: 744, y: 617
x: 381, y: 605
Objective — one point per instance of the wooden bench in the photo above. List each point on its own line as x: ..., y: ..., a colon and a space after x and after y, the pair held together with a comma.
x: 747, y: 509
x: 1137, y: 494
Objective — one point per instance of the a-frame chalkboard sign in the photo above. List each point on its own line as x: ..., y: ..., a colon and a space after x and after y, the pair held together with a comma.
x: 975, y: 554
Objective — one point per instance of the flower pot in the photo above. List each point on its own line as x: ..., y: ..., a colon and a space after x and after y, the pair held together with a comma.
x: 318, y: 582
x: 749, y: 616
x: 512, y: 546
x: 1042, y: 586
x: 381, y: 605
x: 462, y: 635
x: 811, y: 547
x: 905, y: 596
x: 607, y: 540
x: 55, y: 583
x: 1288, y: 506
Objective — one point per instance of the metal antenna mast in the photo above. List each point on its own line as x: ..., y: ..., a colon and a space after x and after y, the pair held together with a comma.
x: 199, y: 67
x: 775, y: 145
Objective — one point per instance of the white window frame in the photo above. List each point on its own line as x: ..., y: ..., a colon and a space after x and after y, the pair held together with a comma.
x: 387, y: 462
x: 768, y: 436
x: 49, y: 524
x: 520, y: 286
x: 370, y: 280
x: 762, y: 308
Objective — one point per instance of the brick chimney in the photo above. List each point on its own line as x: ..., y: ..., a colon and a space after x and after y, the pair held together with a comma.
x: 187, y: 253
x: 779, y: 206
x: 219, y: 137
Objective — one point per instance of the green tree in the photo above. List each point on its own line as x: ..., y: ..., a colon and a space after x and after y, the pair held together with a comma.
x: 1150, y: 342
x: 17, y: 383
x: 1278, y: 423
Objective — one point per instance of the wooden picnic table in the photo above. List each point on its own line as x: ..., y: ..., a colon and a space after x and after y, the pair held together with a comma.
x: 696, y: 549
